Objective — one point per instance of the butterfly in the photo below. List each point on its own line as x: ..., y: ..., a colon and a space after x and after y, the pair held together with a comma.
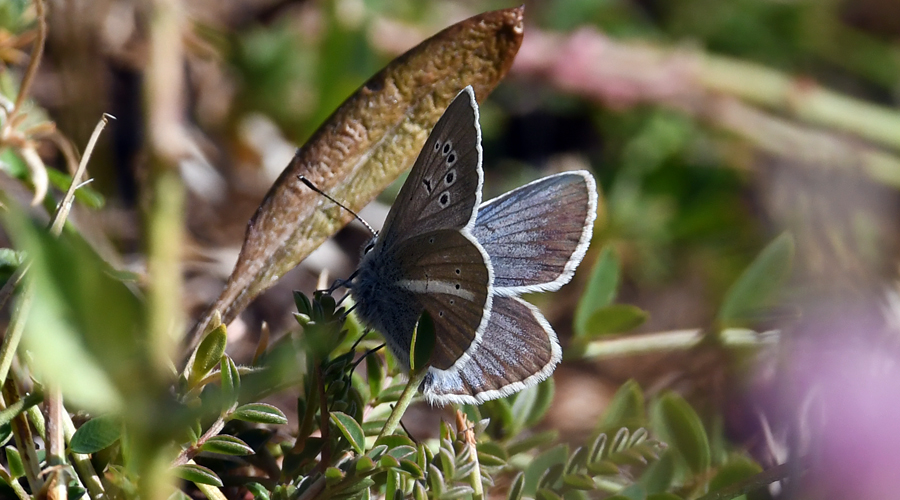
x: 465, y: 263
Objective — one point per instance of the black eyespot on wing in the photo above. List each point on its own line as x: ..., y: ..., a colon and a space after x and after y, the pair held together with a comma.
x: 458, y: 271
x: 457, y: 286
x: 437, y: 145
x: 451, y: 158
x: 447, y: 148
x: 450, y: 178
x: 431, y: 241
x: 444, y: 200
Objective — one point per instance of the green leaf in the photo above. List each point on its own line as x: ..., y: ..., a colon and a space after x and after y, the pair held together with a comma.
x: 227, y: 445
x: 419, y: 491
x: 393, y: 485
x: 96, y: 434
x: 14, y: 461
x: 411, y: 468
x: 522, y: 404
x: 395, y: 441
x: 626, y: 408
x: 491, y: 454
x: 423, y: 342
x: 456, y: 492
x: 435, y: 479
x: 734, y: 471
x: 304, y: 306
x: 198, y: 474
x: 390, y: 395
x: 614, y: 318
x: 333, y: 475
x: 544, y: 398
x: 83, y: 329
x: 755, y: 289
x: 515, y: 490
x: 375, y: 374
x: 259, y: 491
x: 351, y: 430
x: 364, y: 465
x: 660, y: 474
x: 579, y: 481
x: 402, y: 451
x: 208, y: 354
x: 542, y: 463
x: 547, y: 494
x: 683, y: 430
x: 388, y: 462
x: 231, y: 382
x: 259, y: 413
x: 600, y: 290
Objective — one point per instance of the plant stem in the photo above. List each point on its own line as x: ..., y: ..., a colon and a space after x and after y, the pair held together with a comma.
x: 66, y: 204
x: 677, y: 340
x: 393, y: 421
x: 36, y: 54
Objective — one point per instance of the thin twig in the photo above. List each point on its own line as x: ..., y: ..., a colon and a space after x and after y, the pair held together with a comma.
x: 24, y: 438
x: 36, y: 54
x: 14, y: 332
x: 187, y: 455
x: 66, y: 204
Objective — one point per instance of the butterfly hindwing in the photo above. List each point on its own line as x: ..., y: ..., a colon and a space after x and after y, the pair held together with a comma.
x: 518, y: 349
x: 443, y: 189
x: 536, y: 235
x: 449, y: 275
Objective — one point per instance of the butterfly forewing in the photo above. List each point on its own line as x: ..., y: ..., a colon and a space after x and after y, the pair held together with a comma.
x: 443, y: 189
x: 518, y: 349
x: 536, y: 235
x: 449, y: 276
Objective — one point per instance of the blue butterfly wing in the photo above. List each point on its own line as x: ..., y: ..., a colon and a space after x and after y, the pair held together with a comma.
x: 536, y: 235
x: 518, y: 350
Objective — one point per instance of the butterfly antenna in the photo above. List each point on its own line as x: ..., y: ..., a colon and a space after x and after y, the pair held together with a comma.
x: 312, y: 186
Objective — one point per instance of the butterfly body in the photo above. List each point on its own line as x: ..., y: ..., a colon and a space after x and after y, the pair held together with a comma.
x: 465, y: 263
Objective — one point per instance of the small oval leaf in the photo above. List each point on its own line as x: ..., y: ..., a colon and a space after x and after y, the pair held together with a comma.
x: 198, y: 474
x: 614, y: 318
x: 208, y: 354
x: 683, y: 430
x: 259, y: 413
x: 351, y: 430
x: 754, y: 290
x: 600, y: 290
x: 95, y: 435
x: 227, y: 445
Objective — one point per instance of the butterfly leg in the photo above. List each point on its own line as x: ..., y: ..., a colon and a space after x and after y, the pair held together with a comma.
x: 338, y: 283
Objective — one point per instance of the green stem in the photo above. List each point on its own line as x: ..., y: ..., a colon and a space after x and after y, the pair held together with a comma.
x: 678, y: 340
x: 393, y: 421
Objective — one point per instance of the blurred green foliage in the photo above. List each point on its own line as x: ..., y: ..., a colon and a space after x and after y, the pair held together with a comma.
x: 678, y: 215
